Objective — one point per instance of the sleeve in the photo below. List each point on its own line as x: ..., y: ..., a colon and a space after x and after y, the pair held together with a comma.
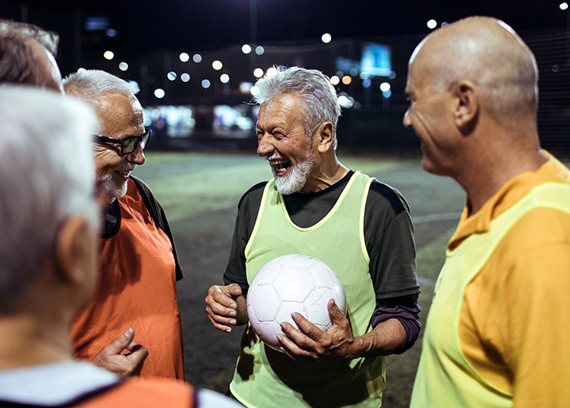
x: 536, y: 327
x: 248, y: 208
x: 389, y: 238
x: 407, y: 311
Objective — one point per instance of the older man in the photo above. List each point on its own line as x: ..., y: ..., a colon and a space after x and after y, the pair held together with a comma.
x: 137, y: 289
x: 48, y: 262
x: 497, y: 332
x: 316, y: 206
x: 27, y: 56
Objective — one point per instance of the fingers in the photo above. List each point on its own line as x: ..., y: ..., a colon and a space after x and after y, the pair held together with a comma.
x: 136, y: 360
x: 123, y: 342
x: 295, y: 344
x: 221, y: 307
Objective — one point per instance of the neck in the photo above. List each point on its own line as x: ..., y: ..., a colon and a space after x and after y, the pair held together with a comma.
x: 328, y: 173
x: 28, y: 342
x: 487, y: 172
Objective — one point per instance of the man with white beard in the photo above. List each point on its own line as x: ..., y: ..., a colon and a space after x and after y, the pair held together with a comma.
x: 358, y: 226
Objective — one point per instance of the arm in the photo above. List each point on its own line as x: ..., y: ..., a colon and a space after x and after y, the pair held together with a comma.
x: 389, y: 240
x: 536, y: 326
x: 226, y: 306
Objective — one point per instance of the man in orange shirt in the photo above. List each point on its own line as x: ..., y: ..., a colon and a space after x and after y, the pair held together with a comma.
x: 139, y: 267
x: 497, y: 331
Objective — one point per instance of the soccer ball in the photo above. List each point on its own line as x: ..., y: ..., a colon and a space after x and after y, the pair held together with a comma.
x: 287, y: 284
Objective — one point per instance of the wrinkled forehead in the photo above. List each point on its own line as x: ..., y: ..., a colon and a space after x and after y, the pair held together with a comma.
x: 120, y: 115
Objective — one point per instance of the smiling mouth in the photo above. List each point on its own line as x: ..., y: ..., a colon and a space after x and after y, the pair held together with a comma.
x: 280, y: 167
x: 124, y: 174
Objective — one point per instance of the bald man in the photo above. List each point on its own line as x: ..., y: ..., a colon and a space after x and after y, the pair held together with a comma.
x: 497, y: 332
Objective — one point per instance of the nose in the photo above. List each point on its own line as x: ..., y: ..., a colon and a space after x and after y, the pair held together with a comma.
x: 136, y: 157
x: 264, y: 146
x: 406, y: 119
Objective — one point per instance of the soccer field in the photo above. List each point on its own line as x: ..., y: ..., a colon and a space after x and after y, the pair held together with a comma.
x: 200, y: 192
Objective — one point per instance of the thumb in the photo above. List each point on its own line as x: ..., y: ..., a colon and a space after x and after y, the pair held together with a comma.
x: 117, y: 346
x: 335, y: 313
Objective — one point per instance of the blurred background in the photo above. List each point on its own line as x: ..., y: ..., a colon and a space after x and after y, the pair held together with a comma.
x: 196, y: 63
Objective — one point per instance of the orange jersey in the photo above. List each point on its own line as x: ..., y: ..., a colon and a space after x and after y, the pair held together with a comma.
x: 137, y: 288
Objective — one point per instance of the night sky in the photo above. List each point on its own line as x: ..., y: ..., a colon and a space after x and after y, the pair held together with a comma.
x: 145, y: 25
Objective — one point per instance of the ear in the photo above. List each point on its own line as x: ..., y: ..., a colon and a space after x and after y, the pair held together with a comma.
x: 75, y: 249
x: 324, y: 136
x: 466, y: 109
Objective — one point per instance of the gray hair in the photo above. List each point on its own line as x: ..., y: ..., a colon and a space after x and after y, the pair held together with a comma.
x: 48, y: 39
x: 46, y: 175
x: 321, y: 103
x: 89, y: 85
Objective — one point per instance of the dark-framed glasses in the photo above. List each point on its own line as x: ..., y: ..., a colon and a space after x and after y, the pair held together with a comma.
x: 126, y: 144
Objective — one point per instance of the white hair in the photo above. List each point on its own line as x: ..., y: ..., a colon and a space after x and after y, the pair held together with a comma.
x: 319, y: 96
x: 46, y: 175
x: 89, y: 85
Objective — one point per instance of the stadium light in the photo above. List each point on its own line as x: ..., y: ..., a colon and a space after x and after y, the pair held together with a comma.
x: 217, y: 65
x: 224, y: 78
x: 335, y: 80
x: 197, y: 58
x: 184, y: 57
x: 326, y: 38
x: 347, y: 79
x: 563, y: 6
x: 171, y: 76
x: 185, y: 77
x: 205, y: 83
x: 246, y: 48
x: 108, y: 55
x: 258, y: 72
x: 254, y: 90
x: 271, y: 71
x: 259, y: 50
x: 159, y: 93
x: 385, y: 87
x: 432, y: 24
x: 123, y: 66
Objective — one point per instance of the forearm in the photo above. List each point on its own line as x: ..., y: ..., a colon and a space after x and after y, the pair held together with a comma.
x: 385, y: 338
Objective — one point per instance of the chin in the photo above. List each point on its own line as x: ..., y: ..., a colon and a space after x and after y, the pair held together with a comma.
x: 120, y: 190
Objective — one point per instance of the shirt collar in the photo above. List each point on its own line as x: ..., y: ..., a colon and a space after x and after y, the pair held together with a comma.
x: 511, y: 192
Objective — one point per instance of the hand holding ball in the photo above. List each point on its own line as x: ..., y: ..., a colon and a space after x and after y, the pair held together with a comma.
x: 288, y: 284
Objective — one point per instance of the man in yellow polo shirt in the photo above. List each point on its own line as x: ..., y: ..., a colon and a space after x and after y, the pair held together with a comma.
x: 497, y: 332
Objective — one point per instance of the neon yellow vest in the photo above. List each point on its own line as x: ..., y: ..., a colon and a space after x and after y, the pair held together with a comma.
x: 266, y: 378
x: 445, y: 377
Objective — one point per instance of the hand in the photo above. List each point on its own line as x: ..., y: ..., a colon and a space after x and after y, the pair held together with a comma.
x: 310, y: 342
x: 225, y: 306
x: 112, y: 358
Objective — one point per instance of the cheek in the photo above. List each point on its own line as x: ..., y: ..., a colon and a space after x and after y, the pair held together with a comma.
x: 105, y: 161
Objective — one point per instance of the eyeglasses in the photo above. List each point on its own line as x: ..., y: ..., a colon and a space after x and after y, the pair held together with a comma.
x: 126, y: 144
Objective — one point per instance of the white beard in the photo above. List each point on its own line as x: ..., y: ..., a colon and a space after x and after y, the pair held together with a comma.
x: 296, y: 180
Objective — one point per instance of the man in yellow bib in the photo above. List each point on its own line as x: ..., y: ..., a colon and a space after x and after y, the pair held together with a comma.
x: 497, y: 331
x: 316, y: 206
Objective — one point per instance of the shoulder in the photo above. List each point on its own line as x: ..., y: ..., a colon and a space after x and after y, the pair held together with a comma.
x: 383, y: 196
x: 253, y: 195
x: 157, y: 391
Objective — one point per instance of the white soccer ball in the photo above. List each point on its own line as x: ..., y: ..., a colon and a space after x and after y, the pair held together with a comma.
x: 287, y: 284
